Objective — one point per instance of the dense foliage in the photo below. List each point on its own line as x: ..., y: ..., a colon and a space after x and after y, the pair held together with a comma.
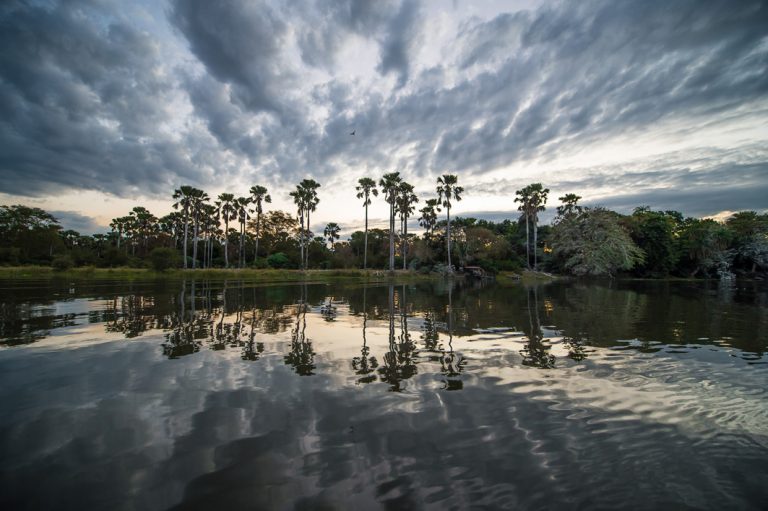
x: 232, y: 231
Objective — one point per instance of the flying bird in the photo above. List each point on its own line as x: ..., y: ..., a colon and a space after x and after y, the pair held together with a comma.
x: 353, y: 132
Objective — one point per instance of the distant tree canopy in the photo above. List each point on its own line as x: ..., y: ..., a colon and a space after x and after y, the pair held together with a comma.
x: 231, y: 230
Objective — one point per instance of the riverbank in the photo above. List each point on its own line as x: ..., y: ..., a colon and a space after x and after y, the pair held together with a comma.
x: 253, y: 275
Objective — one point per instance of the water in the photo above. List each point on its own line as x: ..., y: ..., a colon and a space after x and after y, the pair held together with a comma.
x: 227, y: 395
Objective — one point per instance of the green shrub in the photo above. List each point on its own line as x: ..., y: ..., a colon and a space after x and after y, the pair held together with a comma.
x: 163, y: 258
x: 278, y: 260
x: 62, y: 263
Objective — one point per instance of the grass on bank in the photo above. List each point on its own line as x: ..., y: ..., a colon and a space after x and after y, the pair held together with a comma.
x: 255, y: 275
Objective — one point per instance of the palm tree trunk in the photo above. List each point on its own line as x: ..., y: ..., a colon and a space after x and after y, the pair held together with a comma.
x: 301, y: 241
x: 226, y: 244
x: 306, y: 252
x: 365, y: 254
x: 535, y: 239
x: 256, y: 251
x: 392, y: 237
x: 241, y: 256
x: 527, y: 244
x: 194, y: 242
x: 448, y: 237
x: 405, y: 242
x: 186, y: 230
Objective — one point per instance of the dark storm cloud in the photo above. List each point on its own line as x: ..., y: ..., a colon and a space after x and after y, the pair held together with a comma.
x: 90, y: 101
x: 82, y: 96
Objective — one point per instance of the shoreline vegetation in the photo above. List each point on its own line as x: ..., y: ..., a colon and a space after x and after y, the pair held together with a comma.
x: 236, y: 235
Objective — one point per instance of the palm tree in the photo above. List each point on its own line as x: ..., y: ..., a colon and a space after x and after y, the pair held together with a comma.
x: 310, y: 187
x: 241, y: 205
x: 332, y: 233
x: 199, y: 199
x: 144, y: 223
x: 428, y: 218
x: 532, y: 199
x: 259, y: 196
x: 406, y: 202
x: 448, y: 190
x: 390, y: 184
x: 183, y: 197
x: 120, y: 224
x: 366, y: 187
x: 300, y: 199
x: 227, y: 211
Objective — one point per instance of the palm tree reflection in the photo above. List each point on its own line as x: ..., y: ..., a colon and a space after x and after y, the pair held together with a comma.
x: 365, y: 365
x: 536, y: 353
x: 301, y: 355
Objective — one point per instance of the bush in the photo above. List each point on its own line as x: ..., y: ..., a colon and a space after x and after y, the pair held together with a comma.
x: 163, y: 258
x: 10, y: 256
x: 278, y: 260
x: 62, y: 263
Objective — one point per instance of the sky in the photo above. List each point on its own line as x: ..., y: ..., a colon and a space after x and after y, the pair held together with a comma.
x: 106, y: 104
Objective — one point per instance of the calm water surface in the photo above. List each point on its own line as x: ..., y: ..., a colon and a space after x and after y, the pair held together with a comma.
x: 229, y: 395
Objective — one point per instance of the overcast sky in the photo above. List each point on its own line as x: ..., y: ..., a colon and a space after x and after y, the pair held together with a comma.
x: 106, y: 104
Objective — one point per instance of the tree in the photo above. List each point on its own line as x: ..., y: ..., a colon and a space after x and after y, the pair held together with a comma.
x: 144, y: 224
x: 310, y: 187
x: 594, y: 243
x: 428, y: 218
x: 447, y: 191
x: 569, y: 206
x: 241, y: 205
x: 331, y: 232
x: 227, y: 211
x: 655, y: 232
x: 532, y: 199
x: 366, y: 187
x: 390, y: 185
x: 183, y: 197
x: 405, y: 205
x: 199, y: 199
x: 300, y: 199
x: 259, y: 196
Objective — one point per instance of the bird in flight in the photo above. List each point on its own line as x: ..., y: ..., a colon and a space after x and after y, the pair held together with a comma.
x: 353, y: 132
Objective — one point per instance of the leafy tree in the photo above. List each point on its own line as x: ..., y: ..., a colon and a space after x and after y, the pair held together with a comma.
x: 163, y: 258
x: 569, y: 206
x: 365, y: 188
x: 428, y: 219
x: 331, y: 233
x: 447, y: 191
x: 594, y: 243
x: 654, y: 232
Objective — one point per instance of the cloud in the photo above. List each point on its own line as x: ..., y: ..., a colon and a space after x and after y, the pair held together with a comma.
x: 83, y: 224
x: 242, y: 91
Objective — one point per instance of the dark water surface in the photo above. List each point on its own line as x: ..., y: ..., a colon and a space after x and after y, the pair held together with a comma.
x: 229, y: 395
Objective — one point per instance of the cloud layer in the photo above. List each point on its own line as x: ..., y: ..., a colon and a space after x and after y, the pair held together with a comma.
x: 99, y: 95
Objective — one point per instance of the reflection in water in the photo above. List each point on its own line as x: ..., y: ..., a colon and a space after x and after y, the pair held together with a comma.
x: 553, y: 382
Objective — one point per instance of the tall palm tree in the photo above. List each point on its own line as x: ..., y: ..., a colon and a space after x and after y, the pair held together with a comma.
x: 259, y: 196
x: 570, y: 205
x: 366, y: 187
x: 310, y: 187
x: 390, y: 185
x: 406, y: 202
x: 331, y: 232
x: 428, y: 218
x: 524, y: 198
x: 241, y: 205
x: 210, y: 222
x: 144, y: 223
x: 300, y: 199
x: 183, y: 197
x: 538, y: 200
x: 532, y: 199
x: 227, y: 211
x: 199, y: 199
x: 120, y: 225
x: 447, y: 191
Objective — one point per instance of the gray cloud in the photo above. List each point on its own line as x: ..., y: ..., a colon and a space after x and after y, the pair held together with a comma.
x: 90, y: 101
x: 83, y: 224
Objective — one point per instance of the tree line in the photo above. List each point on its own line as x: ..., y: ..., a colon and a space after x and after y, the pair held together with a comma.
x: 231, y: 231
